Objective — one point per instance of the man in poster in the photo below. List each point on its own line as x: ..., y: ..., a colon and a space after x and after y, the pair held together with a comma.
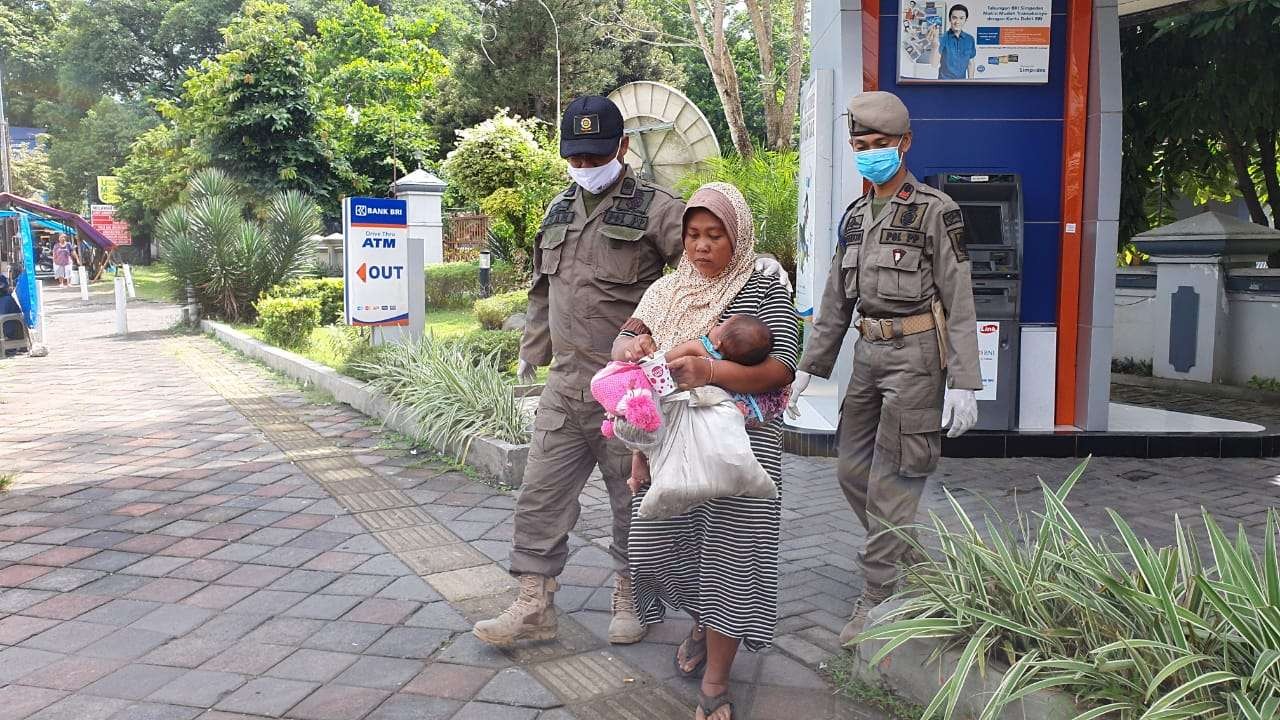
x: 956, y: 49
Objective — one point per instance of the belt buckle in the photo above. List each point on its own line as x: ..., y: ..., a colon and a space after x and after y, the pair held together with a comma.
x: 886, y: 328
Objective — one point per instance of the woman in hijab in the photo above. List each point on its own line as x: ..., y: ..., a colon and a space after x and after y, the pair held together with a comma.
x: 719, y: 561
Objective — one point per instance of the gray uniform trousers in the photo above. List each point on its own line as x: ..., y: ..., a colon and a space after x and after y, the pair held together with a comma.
x: 567, y: 446
x: 890, y: 441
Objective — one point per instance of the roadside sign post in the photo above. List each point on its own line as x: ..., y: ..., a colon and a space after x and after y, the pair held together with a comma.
x: 377, y: 266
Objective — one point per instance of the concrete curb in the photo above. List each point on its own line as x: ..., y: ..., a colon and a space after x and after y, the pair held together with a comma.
x: 1214, y: 390
x: 504, y: 461
x: 910, y: 674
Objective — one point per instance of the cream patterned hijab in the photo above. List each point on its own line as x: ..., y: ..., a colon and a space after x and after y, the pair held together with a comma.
x: 685, y: 305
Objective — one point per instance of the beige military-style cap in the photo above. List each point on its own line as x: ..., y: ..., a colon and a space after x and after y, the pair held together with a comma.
x: 878, y: 112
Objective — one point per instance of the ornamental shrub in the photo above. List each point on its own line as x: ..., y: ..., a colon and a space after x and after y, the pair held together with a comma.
x: 502, y: 346
x: 492, y: 312
x: 457, y: 285
x: 327, y: 290
x: 288, y: 322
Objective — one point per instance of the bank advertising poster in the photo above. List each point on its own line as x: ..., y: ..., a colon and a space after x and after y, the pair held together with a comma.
x: 375, y: 261
x: 813, y: 207
x: 974, y: 41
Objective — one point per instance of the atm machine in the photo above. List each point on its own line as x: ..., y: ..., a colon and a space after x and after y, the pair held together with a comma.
x: 991, y: 204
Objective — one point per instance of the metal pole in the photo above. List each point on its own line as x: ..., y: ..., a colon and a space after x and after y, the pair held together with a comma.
x: 555, y: 26
x: 4, y: 136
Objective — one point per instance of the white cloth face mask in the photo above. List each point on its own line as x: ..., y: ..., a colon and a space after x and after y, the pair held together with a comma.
x: 596, y: 179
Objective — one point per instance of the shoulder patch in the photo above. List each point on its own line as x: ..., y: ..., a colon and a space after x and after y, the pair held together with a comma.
x: 909, y: 217
x: 850, y: 228
x: 952, y: 218
x: 572, y: 191
x: 905, y: 192
x: 958, y: 241
x: 628, y: 188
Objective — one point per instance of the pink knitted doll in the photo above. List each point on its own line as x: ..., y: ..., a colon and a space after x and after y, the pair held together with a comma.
x: 624, y: 391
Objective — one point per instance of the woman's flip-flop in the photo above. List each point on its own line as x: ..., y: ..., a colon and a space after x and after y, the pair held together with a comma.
x: 709, y: 704
x: 692, y: 648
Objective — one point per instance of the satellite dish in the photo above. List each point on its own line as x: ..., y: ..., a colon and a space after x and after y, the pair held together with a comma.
x: 669, y: 134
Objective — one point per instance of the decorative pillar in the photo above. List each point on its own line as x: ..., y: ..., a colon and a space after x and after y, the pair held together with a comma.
x: 422, y: 193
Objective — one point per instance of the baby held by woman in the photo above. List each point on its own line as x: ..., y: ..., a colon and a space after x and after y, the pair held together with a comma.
x: 741, y: 339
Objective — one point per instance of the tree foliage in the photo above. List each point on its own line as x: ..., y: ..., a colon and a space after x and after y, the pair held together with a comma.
x: 1202, y: 113
x: 31, y: 175
x: 377, y: 78
x: 509, y: 60
x: 153, y: 177
x: 510, y: 168
x: 255, y: 107
x: 95, y: 146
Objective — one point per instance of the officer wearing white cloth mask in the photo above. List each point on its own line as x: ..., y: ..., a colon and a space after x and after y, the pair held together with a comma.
x: 603, y: 241
x: 901, y: 263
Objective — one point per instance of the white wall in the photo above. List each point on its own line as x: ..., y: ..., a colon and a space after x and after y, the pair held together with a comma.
x: 1253, y: 337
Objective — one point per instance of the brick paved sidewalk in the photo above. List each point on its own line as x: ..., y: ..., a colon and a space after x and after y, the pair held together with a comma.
x: 191, y: 537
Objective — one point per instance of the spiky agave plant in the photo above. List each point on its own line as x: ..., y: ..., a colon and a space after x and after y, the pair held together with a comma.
x: 229, y: 254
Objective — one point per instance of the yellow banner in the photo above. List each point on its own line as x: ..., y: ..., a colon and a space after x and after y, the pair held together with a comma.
x: 109, y: 189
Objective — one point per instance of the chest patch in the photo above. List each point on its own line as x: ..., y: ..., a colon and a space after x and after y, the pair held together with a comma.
x: 909, y: 238
x: 909, y: 217
x: 631, y: 211
x: 898, y: 254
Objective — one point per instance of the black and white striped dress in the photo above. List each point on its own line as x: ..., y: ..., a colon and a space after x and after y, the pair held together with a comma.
x: 719, y: 561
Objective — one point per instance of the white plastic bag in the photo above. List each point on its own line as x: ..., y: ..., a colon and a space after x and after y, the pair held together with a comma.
x: 703, y: 453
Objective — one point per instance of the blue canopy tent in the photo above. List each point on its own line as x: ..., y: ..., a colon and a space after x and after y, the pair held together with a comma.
x: 29, y: 213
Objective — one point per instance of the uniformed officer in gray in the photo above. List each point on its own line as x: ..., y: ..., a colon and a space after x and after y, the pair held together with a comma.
x: 603, y: 241
x: 901, y: 265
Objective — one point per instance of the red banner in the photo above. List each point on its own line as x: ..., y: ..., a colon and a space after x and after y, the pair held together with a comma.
x: 103, y: 218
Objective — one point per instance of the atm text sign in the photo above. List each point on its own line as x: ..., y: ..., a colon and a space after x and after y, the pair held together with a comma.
x: 376, y: 257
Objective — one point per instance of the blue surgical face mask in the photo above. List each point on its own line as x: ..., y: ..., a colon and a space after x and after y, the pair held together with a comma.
x: 878, y: 165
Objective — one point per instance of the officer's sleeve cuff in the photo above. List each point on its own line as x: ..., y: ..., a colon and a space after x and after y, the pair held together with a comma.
x: 822, y: 370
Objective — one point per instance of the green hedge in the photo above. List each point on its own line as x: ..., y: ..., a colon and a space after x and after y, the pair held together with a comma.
x: 492, y: 312
x: 457, y: 284
x: 288, y: 322
x: 327, y: 291
x: 504, y: 345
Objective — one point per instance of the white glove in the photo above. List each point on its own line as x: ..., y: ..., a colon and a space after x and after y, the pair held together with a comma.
x: 526, y: 372
x: 798, y: 386
x: 959, y: 411
x: 768, y: 265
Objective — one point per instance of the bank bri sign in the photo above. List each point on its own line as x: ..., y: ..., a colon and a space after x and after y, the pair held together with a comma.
x: 375, y: 235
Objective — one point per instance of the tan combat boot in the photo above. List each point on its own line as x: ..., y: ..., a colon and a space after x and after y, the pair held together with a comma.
x: 870, y: 597
x: 625, y: 628
x: 531, y: 617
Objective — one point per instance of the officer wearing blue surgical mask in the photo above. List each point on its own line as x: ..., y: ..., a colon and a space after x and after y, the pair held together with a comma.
x: 901, y: 265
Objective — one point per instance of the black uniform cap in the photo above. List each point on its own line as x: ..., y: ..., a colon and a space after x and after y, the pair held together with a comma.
x: 592, y: 125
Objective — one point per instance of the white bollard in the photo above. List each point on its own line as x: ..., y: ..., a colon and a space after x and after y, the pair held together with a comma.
x: 74, y: 280
x: 42, y: 325
x: 128, y: 281
x: 122, y: 322
x: 84, y: 284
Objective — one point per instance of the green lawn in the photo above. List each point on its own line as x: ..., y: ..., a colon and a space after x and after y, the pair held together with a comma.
x: 152, y: 282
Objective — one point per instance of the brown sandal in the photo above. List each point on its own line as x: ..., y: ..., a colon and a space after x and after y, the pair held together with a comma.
x: 693, y: 648
x: 709, y: 704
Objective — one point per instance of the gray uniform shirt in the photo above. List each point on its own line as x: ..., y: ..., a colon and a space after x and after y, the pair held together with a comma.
x: 589, y: 272
x: 894, y: 265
